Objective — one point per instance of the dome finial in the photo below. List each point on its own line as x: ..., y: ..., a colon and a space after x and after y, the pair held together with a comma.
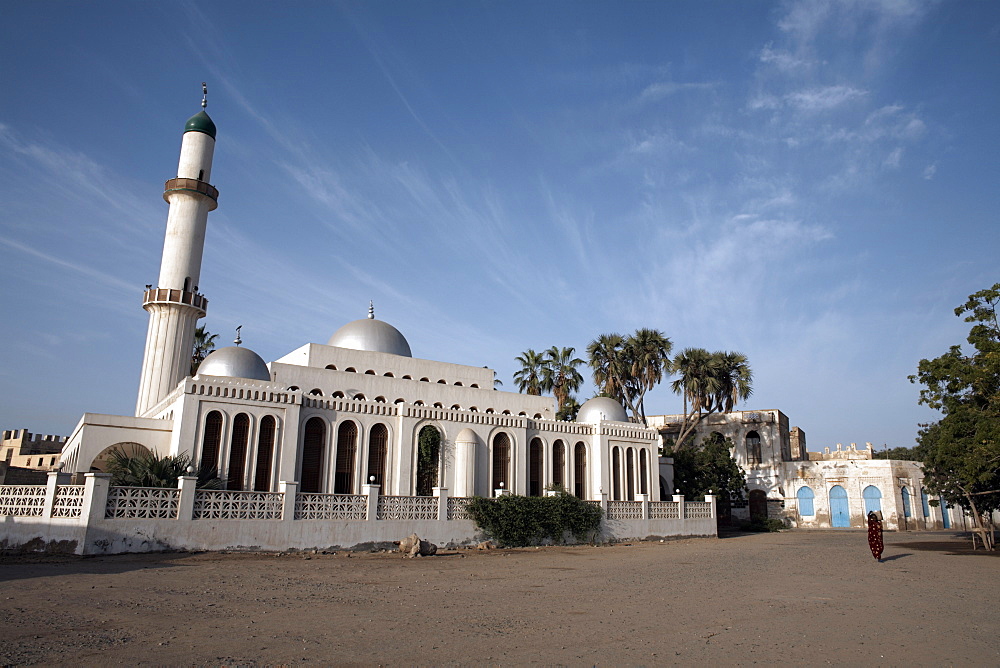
x: 238, y: 340
x: 204, y: 94
x: 371, y: 310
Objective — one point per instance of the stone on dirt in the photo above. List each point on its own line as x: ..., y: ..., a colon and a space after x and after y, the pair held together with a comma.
x: 413, y: 546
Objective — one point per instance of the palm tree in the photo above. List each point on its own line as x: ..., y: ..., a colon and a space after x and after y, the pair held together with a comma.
x: 605, y: 353
x: 529, y: 377
x: 560, y: 375
x: 204, y: 343
x: 569, y: 410
x: 735, y: 378
x: 148, y: 469
x: 650, y: 358
x: 709, y: 383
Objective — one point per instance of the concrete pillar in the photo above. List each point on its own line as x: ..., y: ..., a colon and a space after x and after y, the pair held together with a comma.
x: 50, y: 494
x: 603, y: 496
x: 644, y: 500
x: 679, y: 500
x: 372, y: 492
x: 710, y: 498
x: 288, y: 491
x: 442, y: 496
x: 95, y: 496
x: 188, y: 486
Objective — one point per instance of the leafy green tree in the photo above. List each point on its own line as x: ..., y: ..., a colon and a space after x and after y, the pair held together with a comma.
x: 204, y: 343
x: 899, y: 454
x: 709, y: 468
x: 428, y: 460
x: 529, y: 377
x: 560, y: 374
x: 569, y: 410
x: 961, y: 452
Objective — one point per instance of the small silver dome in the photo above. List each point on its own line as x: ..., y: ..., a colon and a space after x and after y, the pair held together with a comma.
x: 601, y: 408
x: 371, y: 334
x: 234, y: 362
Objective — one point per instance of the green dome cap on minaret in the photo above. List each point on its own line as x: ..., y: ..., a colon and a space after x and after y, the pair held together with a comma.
x: 200, y: 122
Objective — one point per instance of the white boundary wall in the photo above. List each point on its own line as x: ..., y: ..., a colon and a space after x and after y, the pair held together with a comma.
x: 95, y: 518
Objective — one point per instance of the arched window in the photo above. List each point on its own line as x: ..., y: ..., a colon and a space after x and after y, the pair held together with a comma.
x: 442, y: 382
x: 210, y: 442
x: 805, y: 496
x: 473, y: 409
x: 380, y: 399
x: 238, y: 451
x: 388, y: 374
x: 558, y: 463
x: 347, y: 448
x: 506, y: 413
x: 428, y: 460
x: 359, y: 397
x: 316, y: 392
x: 501, y: 461
x: 925, y: 503
x: 313, y: 444
x: 370, y: 372
x: 630, y: 474
x: 643, y: 471
x: 535, y: 467
x: 458, y: 383
x: 906, y: 502
x: 378, y: 445
x: 425, y: 380
x: 407, y: 377
x: 331, y: 367
x: 265, y: 453
x: 616, y: 473
x: 580, y: 471
x: 753, y: 448
x: 337, y: 395
x: 873, y: 499
x: 456, y: 407
x: 438, y: 404
x: 418, y: 403
x: 474, y: 385
x: 400, y: 400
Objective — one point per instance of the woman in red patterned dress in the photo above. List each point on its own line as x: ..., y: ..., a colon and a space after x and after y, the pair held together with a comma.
x: 875, y: 535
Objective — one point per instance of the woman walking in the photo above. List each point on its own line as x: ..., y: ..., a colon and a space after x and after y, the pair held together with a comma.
x: 875, y: 535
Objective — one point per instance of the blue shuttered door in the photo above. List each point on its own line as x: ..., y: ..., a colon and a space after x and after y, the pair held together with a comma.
x: 805, y: 496
x: 840, y: 514
x: 873, y: 499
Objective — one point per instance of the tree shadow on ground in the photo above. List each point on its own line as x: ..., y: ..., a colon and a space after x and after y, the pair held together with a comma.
x: 20, y: 566
x: 961, y: 546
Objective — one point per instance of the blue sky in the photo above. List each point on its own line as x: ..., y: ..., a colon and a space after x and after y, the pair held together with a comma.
x: 813, y: 184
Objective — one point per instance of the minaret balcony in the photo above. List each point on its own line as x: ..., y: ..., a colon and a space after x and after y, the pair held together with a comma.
x: 176, y: 297
x: 192, y: 185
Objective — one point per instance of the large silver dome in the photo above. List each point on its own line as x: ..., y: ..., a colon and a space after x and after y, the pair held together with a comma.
x: 234, y: 362
x: 371, y: 334
x: 601, y: 408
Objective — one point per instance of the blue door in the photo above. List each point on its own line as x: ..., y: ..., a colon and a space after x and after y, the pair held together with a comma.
x: 944, y: 514
x: 873, y: 499
x: 840, y: 514
x: 906, y: 503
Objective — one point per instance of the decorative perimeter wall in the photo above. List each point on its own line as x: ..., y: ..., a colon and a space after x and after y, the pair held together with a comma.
x: 95, y: 518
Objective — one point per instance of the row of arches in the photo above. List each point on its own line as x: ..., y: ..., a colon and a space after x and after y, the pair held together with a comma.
x: 629, y: 473
x: 239, y: 450
x: 360, y: 396
x: 314, y: 454
x: 565, y: 470
x: 389, y: 374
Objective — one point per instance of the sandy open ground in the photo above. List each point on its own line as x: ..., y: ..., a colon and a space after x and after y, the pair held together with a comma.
x: 791, y: 598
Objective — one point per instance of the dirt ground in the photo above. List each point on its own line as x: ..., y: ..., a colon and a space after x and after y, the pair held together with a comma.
x: 793, y: 597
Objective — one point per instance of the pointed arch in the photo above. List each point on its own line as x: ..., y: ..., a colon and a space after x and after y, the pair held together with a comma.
x: 559, y: 463
x: 265, y: 454
x: 313, y: 445
x: 378, y: 447
x: 210, y: 442
x: 428, y: 459
x: 347, y: 449
x: 500, y: 461
x: 535, y: 449
x: 238, y: 452
x: 580, y: 470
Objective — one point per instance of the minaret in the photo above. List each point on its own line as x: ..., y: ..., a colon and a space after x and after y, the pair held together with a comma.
x: 175, y: 304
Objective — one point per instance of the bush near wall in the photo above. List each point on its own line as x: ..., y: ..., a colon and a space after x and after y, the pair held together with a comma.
x: 517, y: 521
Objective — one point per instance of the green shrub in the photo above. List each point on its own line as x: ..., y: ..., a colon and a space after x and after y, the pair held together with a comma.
x: 516, y: 521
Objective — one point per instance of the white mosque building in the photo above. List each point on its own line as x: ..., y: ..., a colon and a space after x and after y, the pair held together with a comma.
x: 337, y: 416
